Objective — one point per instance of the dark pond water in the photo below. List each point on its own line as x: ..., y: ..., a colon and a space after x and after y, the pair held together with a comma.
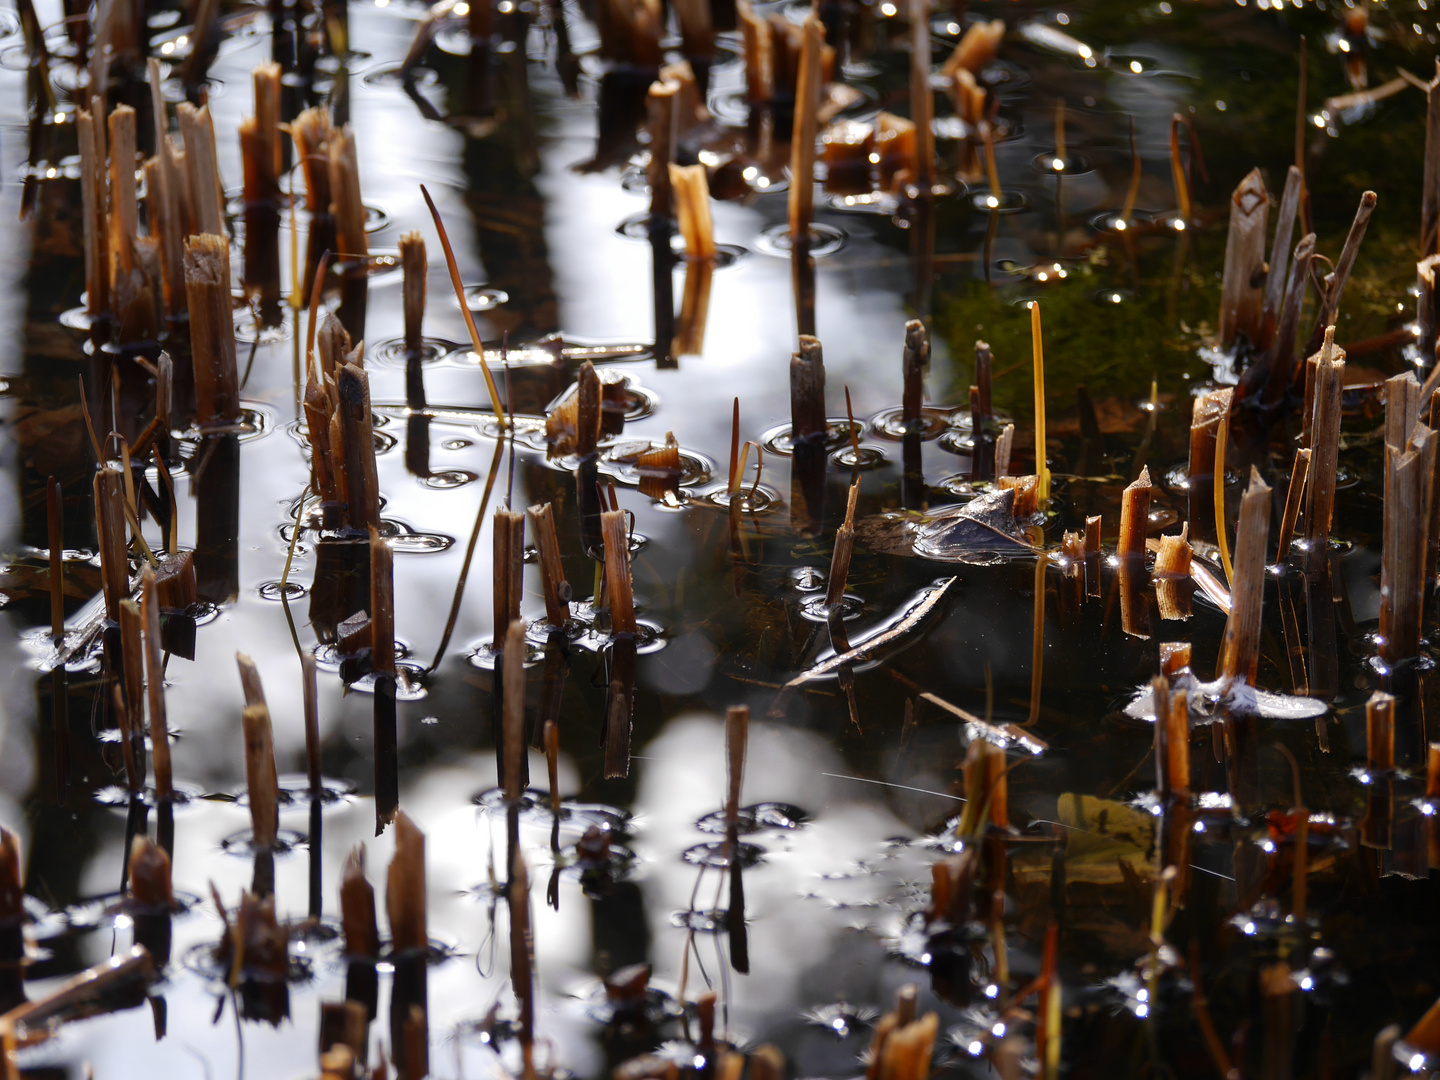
x: 858, y: 773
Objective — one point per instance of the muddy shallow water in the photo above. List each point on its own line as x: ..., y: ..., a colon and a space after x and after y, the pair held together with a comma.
x: 864, y: 772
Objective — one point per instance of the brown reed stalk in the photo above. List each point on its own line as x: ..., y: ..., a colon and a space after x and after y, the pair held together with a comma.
x: 353, y: 419
x: 1177, y: 743
x: 260, y: 777
x: 207, y: 200
x: 1135, y: 517
x: 1206, y: 414
x: 1240, y: 650
x: 382, y: 604
x: 1241, y: 298
x: 844, y: 547
x: 914, y: 360
x: 618, y: 584
x: 552, y: 570
x: 94, y: 204
x: 690, y: 187
x: 1003, y: 448
x: 311, y: 698
x: 512, y: 730
x: 475, y: 342
x: 55, y: 528
x: 1293, y: 498
x: 260, y: 138
x: 1330, y: 306
x: 1329, y: 374
x: 347, y: 204
x: 414, y: 268
x: 1172, y: 576
x: 155, y: 685
x: 1276, y: 277
x: 922, y: 102
x: 212, y: 329
x: 109, y: 487
x: 807, y: 390
x: 508, y: 534
x: 1430, y: 191
x: 808, y: 87
x: 1282, y: 347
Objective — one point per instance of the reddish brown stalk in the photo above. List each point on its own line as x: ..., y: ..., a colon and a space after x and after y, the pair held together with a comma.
x: 1293, y: 497
x: 110, y: 531
x: 513, y: 727
x: 1329, y: 366
x: 914, y: 361
x: 405, y: 888
x: 1135, y: 517
x: 260, y: 778
x: 311, y: 696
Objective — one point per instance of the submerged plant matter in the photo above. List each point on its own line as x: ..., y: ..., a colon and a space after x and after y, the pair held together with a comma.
x: 1070, y: 674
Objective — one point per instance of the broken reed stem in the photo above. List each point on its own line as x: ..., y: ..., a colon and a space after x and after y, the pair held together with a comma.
x: 737, y: 739
x: 93, y: 196
x: 260, y: 778
x: 1329, y: 374
x: 522, y: 974
x: 1222, y: 536
x: 914, y: 360
x: 1240, y: 650
x: 382, y: 605
x: 1329, y: 309
x: 132, y: 650
x: 360, y: 483
x: 1292, y: 502
x: 618, y: 583
x: 1276, y: 276
x: 413, y: 266
x: 212, y: 329
x: 55, y: 526
x: 508, y: 566
x: 1380, y: 732
x: 1409, y: 468
x: 552, y: 570
x: 1042, y: 471
x: 109, y: 488
x: 588, y: 410
x: 660, y: 122
x: 513, y: 727
x: 1282, y: 347
x: 260, y: 138
x: 552, y: 764
x: 475, y: 341
x: 155, y: 686
x: 1241, y: 298
x: 733, y: 488
x: 1003, y: 447
x: 1177, y: 743
x: 346, y: 203
x: 1177, y: 171
x: 207, y: 200
x: 405, y: 888
x: 1430, y: 194
x: 690, y: 186
x: 1205, y: 417
x: 311, y: 693
x: 807, y: 391
x: 808, y: 87
x: 844, y: 547
x: 1135, y: 517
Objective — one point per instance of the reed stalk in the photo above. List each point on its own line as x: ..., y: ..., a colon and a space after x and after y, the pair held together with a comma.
x: 1177, y: 173
x: 922, y: 103
x: 1329, y: 374
x: 808, y: 87
x: 1222, y: 530
x: 1293, y: 499
x: 690, y: 186
x: 1042, y: 471
x: 155, y: 686
x: 414, y: 269
x: 382, y: 605
x: 618, y: 583
x: 1240, y: 650
x: 844, y: 547
x: 552, y: 570
x: 508, y: 534
x: 807, y: 391
x: 212, y: 330
x: 1135, y: 517
x: 1241, y: 298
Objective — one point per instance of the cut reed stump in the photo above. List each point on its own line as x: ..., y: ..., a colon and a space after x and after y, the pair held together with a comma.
x: 1376, y: 826
x: 362, y: 934
x: 1207, y: 413
x: 212, y: 330
x: 1240, y: 650
x: 1241, y: 297
x: 1328, y: 367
